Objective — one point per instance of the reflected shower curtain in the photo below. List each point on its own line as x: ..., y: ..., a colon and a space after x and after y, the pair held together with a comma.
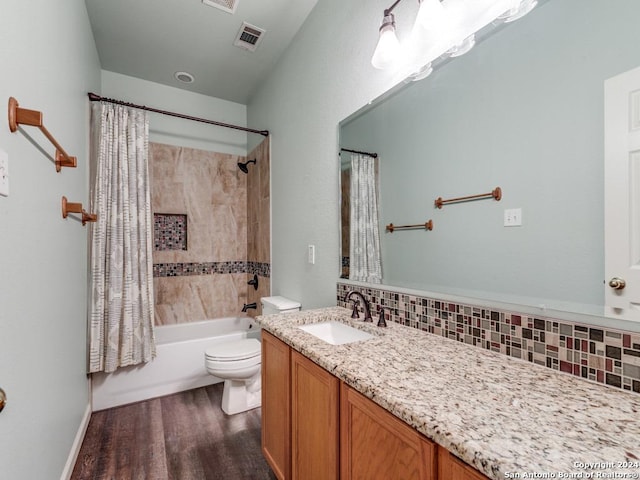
x: 364, y: 247
x: 121, y: 302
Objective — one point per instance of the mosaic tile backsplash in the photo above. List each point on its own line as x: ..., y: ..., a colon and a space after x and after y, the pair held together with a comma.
x: 169, y: 231
x: 603, y: 355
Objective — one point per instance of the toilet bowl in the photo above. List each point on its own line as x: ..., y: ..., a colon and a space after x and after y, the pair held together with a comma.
x: 238, y: 364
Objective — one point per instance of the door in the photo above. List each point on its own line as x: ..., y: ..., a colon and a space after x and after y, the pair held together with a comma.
x: 622, y: 195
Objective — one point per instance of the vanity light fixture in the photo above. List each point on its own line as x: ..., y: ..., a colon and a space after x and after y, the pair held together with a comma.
x: 388, y: 46
x: 442, y: 28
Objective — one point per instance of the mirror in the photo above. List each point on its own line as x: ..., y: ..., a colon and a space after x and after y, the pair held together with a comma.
x: 522, y: 111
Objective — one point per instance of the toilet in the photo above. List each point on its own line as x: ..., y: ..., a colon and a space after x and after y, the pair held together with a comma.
x: 238, y: 363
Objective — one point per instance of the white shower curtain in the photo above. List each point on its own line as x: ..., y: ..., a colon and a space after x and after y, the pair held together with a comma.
x: 121, y: 303
x: 364, y: 245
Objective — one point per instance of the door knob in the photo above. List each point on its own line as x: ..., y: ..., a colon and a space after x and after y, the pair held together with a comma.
x: 3, y: 399
x: 617, y: 283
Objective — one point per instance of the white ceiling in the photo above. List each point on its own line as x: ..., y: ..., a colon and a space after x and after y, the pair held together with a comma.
x: 153, y: 39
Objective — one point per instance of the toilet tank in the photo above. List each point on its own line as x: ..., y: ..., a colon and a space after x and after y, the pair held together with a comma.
x: 278, y: 305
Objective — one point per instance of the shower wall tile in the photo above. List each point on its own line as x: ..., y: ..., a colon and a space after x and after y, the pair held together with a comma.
x: 228, y: 241
x: 602, y: 355
x: 258, y: 225
x: 187, y: 299
x: 208, y: 279
x: 209, y: 188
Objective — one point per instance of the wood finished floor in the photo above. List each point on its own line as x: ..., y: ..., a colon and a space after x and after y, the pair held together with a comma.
x: 185, y: 436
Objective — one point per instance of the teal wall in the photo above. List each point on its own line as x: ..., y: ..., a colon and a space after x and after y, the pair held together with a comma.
x: 49, y: 63
x: 324, y: 76
x: 523, y: 111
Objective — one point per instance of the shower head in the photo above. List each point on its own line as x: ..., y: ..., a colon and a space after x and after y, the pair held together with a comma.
x: 243, y: 166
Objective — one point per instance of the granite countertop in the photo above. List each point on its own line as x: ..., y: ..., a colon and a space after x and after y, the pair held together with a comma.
x: 504, y: 416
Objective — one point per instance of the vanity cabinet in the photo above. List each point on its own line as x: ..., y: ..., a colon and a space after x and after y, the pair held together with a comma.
x: 316, y: 427
x: 452, y: 468
x: 376, y: 444
x: 315, y: 440
x: 276, y: 405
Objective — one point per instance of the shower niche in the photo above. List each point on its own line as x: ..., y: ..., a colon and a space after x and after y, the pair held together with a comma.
x: 169, y: 231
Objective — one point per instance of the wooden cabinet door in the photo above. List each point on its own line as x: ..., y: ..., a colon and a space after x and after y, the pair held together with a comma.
x: 452, y: 468
x: 314, y: 421
x: 374, y: 444
x: 276, y: 405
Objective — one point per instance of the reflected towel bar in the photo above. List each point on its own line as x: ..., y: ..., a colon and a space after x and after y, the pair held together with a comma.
x: 368, y: 154
x: 495, y: 193
x: 68, y: 207
x: 427, y: 226
x: 22, y: 116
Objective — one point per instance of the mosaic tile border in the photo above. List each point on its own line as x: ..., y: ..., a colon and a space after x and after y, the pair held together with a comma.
x: 210, y: 268
x: 169, y: 231
x: 607, y: 356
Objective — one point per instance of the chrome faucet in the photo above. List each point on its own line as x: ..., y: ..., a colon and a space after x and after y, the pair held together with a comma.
x: 365, y: 305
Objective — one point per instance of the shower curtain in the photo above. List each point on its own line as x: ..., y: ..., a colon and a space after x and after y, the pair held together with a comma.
x: 364, y: 250
x: 121, y: 292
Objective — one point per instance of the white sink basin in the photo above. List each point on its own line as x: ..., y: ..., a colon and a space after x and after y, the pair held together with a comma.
x: 336, y: 333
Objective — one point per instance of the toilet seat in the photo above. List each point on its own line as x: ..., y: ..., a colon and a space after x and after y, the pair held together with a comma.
x: 245, y: 349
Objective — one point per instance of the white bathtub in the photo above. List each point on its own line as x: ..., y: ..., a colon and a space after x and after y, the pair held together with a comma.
x: 178, y: 366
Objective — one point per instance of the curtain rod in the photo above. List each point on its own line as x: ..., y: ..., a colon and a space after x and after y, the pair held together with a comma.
x: 97, y: 98
x: 374, y: 155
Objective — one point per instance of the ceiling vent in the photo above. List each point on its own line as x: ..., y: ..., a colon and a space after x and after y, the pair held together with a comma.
x: 249, y: 37
x: 228, y: 6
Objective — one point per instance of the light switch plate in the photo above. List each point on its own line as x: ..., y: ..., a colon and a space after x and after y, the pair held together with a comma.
x: 4, y: 173
x: 311, y: 251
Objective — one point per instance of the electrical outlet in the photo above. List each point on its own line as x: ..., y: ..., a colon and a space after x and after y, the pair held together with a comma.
x: 513, y: 217
x: 311, y: 252
x: 4, y: 173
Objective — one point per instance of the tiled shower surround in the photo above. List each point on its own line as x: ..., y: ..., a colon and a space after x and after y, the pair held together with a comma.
x: 202, y: 260
x: 603, y: 355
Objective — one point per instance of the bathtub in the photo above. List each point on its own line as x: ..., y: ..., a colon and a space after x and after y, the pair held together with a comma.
x: 178, y: 366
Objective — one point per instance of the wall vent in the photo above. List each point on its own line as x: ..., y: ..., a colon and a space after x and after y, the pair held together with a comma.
x: 249, y: 37
x: 228, y: 6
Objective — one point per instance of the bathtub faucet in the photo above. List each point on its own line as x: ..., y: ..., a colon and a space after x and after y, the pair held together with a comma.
x: 247, y: 306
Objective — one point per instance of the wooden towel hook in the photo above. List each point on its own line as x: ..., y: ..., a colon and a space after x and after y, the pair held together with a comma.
x: 22, y: 116
x: 69, y: 207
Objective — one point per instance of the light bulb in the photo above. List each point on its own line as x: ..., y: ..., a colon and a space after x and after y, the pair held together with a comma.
x: 388, y: 46
x: 431, y: 15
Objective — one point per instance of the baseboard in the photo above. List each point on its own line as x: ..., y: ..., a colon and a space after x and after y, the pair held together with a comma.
x: 77, y: 443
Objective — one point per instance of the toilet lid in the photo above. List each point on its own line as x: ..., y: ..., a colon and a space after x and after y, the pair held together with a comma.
x: 236, y: 350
